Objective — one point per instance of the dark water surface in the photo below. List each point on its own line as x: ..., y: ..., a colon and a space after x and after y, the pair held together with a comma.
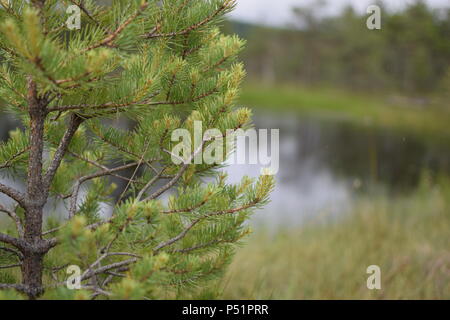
x: 325, y: 164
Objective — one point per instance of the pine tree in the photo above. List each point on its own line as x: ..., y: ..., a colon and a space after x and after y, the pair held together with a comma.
x: 162, y: 65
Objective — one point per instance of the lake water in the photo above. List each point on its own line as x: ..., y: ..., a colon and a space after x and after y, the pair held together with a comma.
x: 325, y: 164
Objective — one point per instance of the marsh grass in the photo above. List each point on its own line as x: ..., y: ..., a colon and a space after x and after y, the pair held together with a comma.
x: 408, y: 237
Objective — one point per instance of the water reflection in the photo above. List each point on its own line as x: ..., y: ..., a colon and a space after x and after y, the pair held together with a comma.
x: 325, y: 164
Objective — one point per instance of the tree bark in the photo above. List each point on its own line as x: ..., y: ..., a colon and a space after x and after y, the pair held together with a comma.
x: 35, y: 198
x: 38, y: 186
x: 32, y: 275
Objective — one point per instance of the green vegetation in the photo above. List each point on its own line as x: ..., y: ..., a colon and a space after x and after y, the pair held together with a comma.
x: 361, y: 108
x: 334, y: 66
x: 410, y: 54
x: 407, y: 237
x: 136, y: 60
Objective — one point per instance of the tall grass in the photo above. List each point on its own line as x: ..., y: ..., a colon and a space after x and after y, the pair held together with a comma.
x: 408, y: 237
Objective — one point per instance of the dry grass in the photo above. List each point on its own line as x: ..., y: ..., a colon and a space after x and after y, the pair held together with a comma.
x: 408, y: 238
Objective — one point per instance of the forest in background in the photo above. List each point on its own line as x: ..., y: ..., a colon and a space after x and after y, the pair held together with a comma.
x: 410, y: 55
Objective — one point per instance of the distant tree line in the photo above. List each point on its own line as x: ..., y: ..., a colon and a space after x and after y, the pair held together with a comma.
x: 411, y: 53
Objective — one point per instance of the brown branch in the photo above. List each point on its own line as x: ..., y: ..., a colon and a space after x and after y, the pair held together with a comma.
x: 18, y: 243
x: 141, y: 160
x: 76, y: 189
x: 198, y: 205
x: 14, y: 194
x: 182, y: 234
x: 178, y: 237
x: 15, y: 218
x: 38, y: 63
x: 177, y: 177
x: 18, y: 287
x: 149, y: 184
x: 122, y: 149
x: 95, y: 164
x: 170, y: 184
x: 74, y: 124
x: 10, y: 250
x: 11, y: 266
x: 62, y: 81
x: 109, y: 267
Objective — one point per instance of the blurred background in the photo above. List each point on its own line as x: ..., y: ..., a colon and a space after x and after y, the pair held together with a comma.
x: 364, y: 119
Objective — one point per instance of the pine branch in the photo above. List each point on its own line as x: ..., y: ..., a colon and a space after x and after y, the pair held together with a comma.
x: 198, y: 247
x: 107, y: 268
x: 18, y: 287
x: 98, y: 165
x: 119, y: 106
x: 196, y: 221
x: 14, y: 194
x: 15, y: 219
x: 226, y: 5
x: 85, y: 11
x: 10, y: 250
x: 97, y: 291
x: 76, y: 188
x: 180, y: 173
x: 74, y: 123
x: 90, y: 84
x: 10, y: 266
x: 170, y: 184
x: 8, y: 163
x: 109, y: 39
x: 18, y: 243
x: 73, y: 79
x: 37, y: 61
x: 185, y: 210
x: 157, y: 177
x: 12, y: 88
x: 120, y: 148
x: 141, y: 160
x: 91, y: 270
x: 6, y: 4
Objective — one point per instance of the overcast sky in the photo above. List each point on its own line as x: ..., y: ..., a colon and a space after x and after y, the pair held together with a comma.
x: 278, y: 12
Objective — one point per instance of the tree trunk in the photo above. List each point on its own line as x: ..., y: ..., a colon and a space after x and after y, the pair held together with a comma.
x: 34, y: 254
x: 36, y: 198
x: 32, y: 274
